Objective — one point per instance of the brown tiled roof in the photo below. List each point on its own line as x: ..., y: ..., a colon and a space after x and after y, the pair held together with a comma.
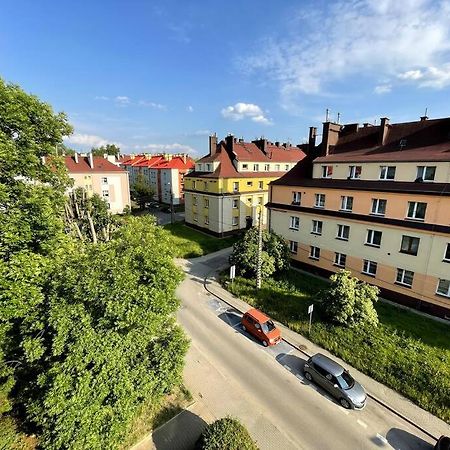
x: 427, y: 140
x: 100, y: 165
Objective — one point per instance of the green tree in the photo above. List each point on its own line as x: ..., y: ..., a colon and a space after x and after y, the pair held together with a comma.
x: 275, y: 253
x: 108, y: 149
x: 141, y: 192
x: 349, y: 301
x: 226, y: 434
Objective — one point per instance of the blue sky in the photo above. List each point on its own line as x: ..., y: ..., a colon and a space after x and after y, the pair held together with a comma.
x: 160, y: 75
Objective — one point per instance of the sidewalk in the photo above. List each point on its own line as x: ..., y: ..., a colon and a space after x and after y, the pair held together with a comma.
x: 391, y: 398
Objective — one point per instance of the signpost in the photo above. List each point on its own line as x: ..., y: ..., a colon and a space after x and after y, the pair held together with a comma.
x: 232, y: 273
x: 310, y: 311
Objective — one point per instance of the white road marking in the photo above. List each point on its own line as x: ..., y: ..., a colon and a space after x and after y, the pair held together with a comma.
x: 287, y: 367
x: 382, y: 438
x: 299, y: 377
x: 363, y: 424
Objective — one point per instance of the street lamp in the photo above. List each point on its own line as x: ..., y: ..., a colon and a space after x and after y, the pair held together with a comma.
x: 259, y: 258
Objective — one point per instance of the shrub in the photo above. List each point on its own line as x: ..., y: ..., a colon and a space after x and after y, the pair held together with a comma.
x: 226, y: 434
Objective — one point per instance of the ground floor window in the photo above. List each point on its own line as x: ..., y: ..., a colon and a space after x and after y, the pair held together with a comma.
x: 314, y: 252
x: 369, y: 267
x: 293, y: 246
x: 405, y: 277
x: 443, y: 288
x: 340, y: 259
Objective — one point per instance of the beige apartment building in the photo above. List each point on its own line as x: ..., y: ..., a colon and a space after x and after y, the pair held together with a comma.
x: 97, y: 175
x: 374, y: 200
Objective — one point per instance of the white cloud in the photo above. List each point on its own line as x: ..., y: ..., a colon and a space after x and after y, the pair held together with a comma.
x: 122, y: 100
x: 171, y: 148
x: 433, y: 77
x: 190, y: 108
x: 241, y: 111
x: 357, y: 37
x: 152, y: 104
x: 382, y: 89
x: 411, y: 75
x: 101, y: 97
x: 86, y: 140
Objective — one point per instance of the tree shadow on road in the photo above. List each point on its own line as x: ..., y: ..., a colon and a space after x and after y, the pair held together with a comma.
x: 398, y: 438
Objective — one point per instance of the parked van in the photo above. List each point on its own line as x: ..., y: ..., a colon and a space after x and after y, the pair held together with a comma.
x: 261, y: 327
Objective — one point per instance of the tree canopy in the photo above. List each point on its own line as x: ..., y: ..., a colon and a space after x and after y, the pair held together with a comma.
x: 141, y: 191
x: 108, y: 149
x: 275, y: 253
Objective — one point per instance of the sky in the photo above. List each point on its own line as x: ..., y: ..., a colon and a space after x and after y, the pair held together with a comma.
x: 159, y: 76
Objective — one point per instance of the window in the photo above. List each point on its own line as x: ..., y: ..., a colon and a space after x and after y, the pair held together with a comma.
x: 293, y: 246
x: 244, y: 166
x: 286, y: 167
x: 206, y: 220
x: 354, y: 172
x: 387, y: 172
x: 378, y: 206
x: 405, y: 277
x: 194, y: 201
x: 261, y: 184
x: 249, y: 199
x: 294, y: 223
x: 410, y: 245
x: 256, y: 167
x: 236, y: 186
x: 260, y: 200
x: 369, y: 267
x: 327, y: 171
x: 105, y: 194
x: 426, y: 173
x: 104, y: 180
x: 447, y: 253
x: 208, y: 167
x: 267, y: 167
x: 249, y: 183
x: 277, y: 167
x: 296, y: 198
x: 343, y: 232
x: 314, y: 252
x: 235, y: 203
x: 206, y: 186
x: 317, y: 227
x: 193, y: 184
x: 443, y: 288
x: 346, y: 203
x: 195, y: 218
x: 206, y: 201
x: 340, y: 259
x: 416, y: 210
x: 320, y: 201
x: 235, y: 221
x: 373, y: 238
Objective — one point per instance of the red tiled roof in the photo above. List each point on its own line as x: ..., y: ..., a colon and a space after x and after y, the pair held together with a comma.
x: 100, y: 165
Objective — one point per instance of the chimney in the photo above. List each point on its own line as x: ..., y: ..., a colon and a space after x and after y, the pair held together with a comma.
x: 423, y: 118
x: 312, y: 139
x: 277, y: 143
x: 261, y: 144
x: 229, y: 141
x: 212, y: 144
x: 384, y: 124
x: 75, y: 157
x: 184, y: 156
x: 330, y: 136
x: 91, y: 160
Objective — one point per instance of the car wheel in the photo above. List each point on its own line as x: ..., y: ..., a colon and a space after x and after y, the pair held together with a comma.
x: 243, y: 328
x: 345, y: 403
x: 308, y: 376
x: 265, y: 343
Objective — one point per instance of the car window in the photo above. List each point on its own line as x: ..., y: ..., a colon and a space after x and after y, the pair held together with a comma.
x: 345, y: 380
x: 268, y: 326
x: 321, y: 370
x: 249, y: 320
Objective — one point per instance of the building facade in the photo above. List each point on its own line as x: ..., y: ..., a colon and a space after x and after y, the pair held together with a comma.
x: 164, y: 173
x: 97, y: 175
x: 375, y: 201
x: 229, y: 187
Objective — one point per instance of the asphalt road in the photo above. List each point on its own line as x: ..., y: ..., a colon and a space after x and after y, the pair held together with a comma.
x: 234, y: 374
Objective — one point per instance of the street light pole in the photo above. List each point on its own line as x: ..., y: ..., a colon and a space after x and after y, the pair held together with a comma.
x: 259, y: 261
x: 172, y: 214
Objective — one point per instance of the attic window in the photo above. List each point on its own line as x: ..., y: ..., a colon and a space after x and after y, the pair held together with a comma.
x: 403, y: 143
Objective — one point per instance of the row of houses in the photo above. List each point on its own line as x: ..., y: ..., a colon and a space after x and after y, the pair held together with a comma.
x: 371, y: 199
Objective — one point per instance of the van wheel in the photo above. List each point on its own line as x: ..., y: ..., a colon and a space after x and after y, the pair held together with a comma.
x: 265, y: 343
x: 243, y: 328
x: 344, y: 403
x: 308, y: 376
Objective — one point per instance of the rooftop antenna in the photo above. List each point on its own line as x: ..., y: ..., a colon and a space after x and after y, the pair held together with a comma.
x: 338, y: 117
x: 327, y: 114
x: 426, y: 112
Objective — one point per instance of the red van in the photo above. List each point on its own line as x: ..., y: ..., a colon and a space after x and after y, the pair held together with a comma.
x: 261, y: 326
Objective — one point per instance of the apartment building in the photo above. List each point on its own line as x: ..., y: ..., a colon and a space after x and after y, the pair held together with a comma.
x: 374, y: 200
x: 229, y: 187
x: 99, y: 176
x: 164, y: 173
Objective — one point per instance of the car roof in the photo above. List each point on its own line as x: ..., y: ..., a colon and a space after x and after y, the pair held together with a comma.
x: 328, y: 364
x: 258, y: 315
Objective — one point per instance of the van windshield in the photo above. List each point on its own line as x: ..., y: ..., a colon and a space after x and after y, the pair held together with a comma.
x: 268, y: 326
x: 345, y: 380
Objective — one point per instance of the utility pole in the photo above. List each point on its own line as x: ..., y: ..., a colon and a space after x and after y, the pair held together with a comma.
x: 258, y: 270
x: 172, y: 213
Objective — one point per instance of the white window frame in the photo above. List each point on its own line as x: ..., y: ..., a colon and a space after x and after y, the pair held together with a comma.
x: 244, y: 166
x: 327, y: 171
x: 447, y: 251
x: 384, y: 172
x: 104, y: 180
x: 235, y: 186
x: 370, y: 237
x: 443, y: 293
x: 415, y: 207
x: 267, y: 167
x: 105, y: 193
x: 206, y: 203
x: 294, y: 223
x: 277, y: 168
x: 235, y: 221
x: 317, y: 226
x: 422, y: 173
x: 235, y: 203
x: 403, y: 273
x: 339, y: 235
x: 338, y: 257
x: 314, y: 252
x: 354, y: 173
x: 367, y: 266
x: 255, y: 167
x: 293, y: 247
x: 317, y: 202
x: 346, y: 203
x: 296, y: 198
x: 208, y: 167
x: 411, y: 238
x: 376, y: 206
x: 260, y: 184
x: 286, y: 167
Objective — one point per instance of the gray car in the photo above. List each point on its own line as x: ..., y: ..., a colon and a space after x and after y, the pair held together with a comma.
x: 332, y: 377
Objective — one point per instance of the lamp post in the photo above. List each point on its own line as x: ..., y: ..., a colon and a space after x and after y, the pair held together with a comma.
x: 259, y: 259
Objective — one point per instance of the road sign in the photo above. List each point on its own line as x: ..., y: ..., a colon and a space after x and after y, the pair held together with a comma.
x: 310, y: 309
x: 232, y: 272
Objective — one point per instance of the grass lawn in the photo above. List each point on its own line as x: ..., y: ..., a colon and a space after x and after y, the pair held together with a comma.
x: 190, y: 243
x: 406, y: 352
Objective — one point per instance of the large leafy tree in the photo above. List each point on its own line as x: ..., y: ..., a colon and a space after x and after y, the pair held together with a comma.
x: 349, y: 301
x: 108, y: 149
x: 275, y: 253
x: 141, y: 191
